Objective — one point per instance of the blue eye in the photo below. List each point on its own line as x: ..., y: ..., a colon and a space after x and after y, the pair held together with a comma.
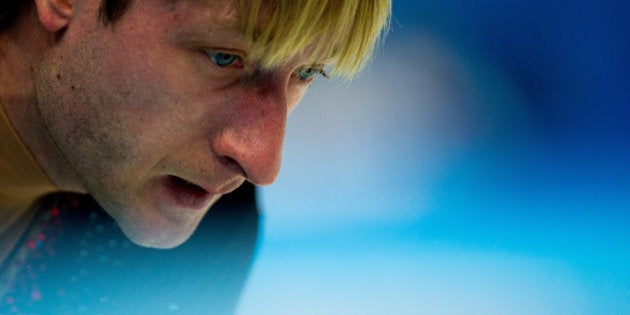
x: 308, y: 72
x: 223, y: 59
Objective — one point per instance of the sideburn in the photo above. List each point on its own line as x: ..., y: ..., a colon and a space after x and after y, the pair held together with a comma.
x: 112, y: 10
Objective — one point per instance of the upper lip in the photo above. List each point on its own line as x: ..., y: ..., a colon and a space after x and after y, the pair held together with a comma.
x: 215, y: 179
x: 227, y: 187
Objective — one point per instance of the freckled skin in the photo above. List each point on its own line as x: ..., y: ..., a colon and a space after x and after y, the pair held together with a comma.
x: 128, y: 104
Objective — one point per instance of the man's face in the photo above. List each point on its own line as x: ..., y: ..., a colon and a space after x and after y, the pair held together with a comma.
x: 159, y: 117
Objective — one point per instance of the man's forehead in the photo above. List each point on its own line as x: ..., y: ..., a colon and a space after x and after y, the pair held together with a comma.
x: 216, y: 15
x: 223, y: 12
x: 203, y: 20
x: 226, y: 11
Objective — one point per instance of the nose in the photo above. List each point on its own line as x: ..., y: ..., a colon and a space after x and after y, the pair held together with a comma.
x: 253, y: 130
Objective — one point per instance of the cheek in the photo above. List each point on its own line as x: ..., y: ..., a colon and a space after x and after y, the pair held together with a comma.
x: 101, y: 124
x: 294, y: 97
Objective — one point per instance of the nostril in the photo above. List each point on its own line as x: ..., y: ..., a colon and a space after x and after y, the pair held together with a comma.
x: 233, y: 165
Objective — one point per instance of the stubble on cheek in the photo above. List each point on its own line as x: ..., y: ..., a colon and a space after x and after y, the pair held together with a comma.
x: 78, y: 112
x: 96, y: 143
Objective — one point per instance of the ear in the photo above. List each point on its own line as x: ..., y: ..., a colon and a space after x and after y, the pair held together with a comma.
x: 54, y: 14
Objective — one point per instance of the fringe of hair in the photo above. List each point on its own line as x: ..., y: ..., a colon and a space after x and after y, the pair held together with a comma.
x: 343, y: 32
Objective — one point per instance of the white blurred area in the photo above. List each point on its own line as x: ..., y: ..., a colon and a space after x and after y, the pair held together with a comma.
x: 361, y: 163
x: 369, y: 151
x: 412, y: 281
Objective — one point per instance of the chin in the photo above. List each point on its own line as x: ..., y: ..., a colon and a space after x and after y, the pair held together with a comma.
x: 163, y: 236
x: 148, y: 225
x: 161, y: 240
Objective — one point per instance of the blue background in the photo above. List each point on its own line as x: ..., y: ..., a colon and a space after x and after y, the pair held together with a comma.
x: 479, y: 165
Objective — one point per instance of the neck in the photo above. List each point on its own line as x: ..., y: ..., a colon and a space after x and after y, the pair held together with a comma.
x: 22, y: 48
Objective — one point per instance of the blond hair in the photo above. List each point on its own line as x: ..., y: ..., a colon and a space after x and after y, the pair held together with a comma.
x: 343, y: 32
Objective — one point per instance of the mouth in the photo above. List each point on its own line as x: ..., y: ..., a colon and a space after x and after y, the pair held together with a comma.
x: 185, y: 193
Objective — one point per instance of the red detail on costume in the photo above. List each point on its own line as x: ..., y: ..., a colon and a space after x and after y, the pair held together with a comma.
x: 55, y: 212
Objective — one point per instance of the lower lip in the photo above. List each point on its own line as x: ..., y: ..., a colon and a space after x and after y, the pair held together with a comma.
x: 185, y: 194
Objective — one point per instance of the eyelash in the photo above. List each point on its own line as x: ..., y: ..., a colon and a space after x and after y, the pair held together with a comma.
x: 234, y: 60
x: 217, y: 56
x: 318, y: 69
